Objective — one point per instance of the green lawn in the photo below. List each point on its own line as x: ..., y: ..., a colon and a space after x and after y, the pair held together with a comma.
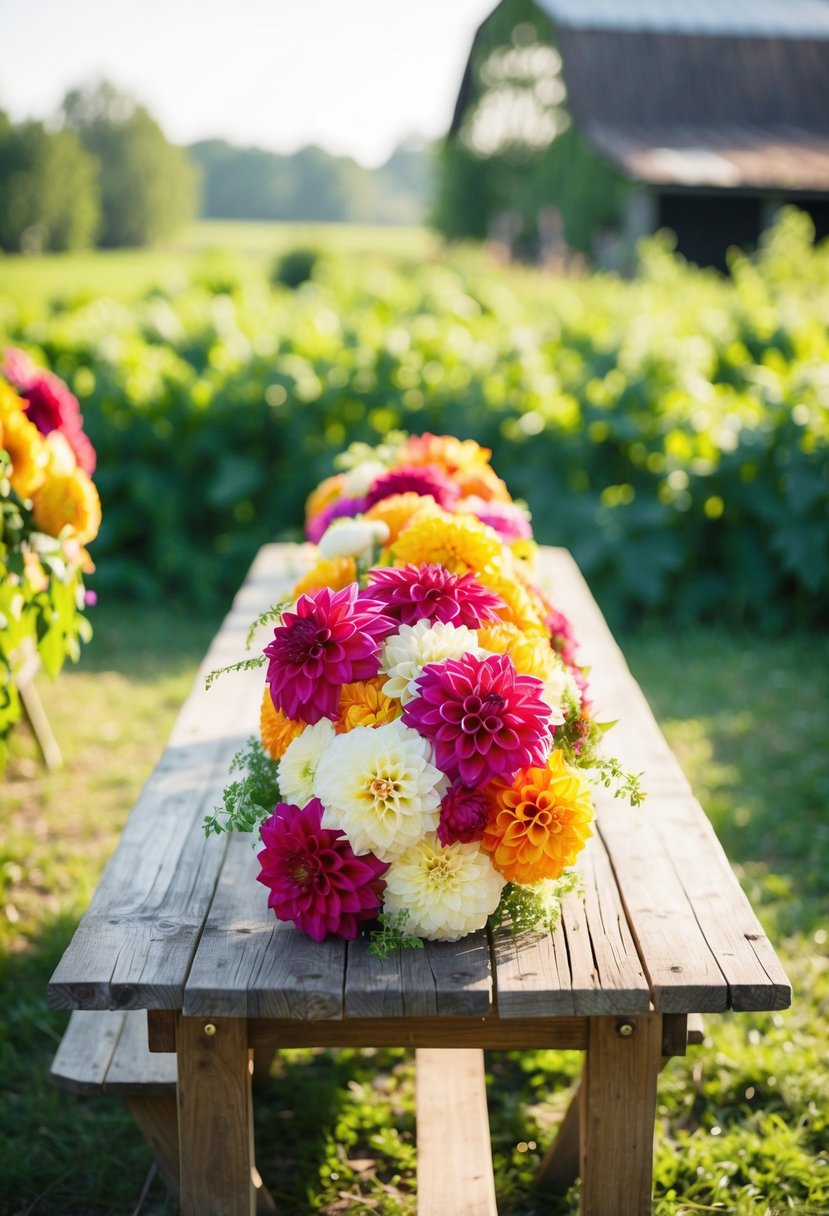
x: 125, y: 274
x: 742, y: 1124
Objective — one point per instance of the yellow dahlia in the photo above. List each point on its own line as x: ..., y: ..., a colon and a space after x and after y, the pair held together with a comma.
x: 327, y: 491
x: 27, y: 452
x: 532, y: 655
x: 68, y: 500
x: 336, y: 574
x: 461, y: 543
x: 521, y: 609
x: 276, y: 729
x: 399, y: 510
x: 364, y: 703
x: 445, y: 892
x: 537, y: 825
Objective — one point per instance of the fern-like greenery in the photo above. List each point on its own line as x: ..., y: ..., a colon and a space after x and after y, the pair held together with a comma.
x: 393, y: 935
x: 252, y: 798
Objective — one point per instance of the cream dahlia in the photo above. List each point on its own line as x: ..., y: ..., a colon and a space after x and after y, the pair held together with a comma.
x: 445, y: 892
x: 405, y: 654
x: 381, y: 787
x: 298, y: 766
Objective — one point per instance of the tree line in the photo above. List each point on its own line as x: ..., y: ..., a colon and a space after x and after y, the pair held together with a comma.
x: 105, y: 174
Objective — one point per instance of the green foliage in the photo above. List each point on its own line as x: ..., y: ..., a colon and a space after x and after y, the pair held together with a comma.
x: 392, y: 935
x: 294, y: 267
x: 48, y: 190
x: 246, y: 803
x: 671, y: 431
x: 147, y: 186
x: 523, y: 909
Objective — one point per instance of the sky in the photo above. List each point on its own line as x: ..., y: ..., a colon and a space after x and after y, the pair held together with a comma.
x: 354, y: 76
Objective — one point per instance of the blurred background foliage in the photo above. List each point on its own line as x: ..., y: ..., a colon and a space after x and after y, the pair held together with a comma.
x: 670, y: 430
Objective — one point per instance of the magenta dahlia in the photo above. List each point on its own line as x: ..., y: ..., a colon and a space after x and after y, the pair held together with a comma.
x: 331, y: 638
x: 318, y: 524
x: 430, y: 592
x: 50, y: 405
x: 426, y: 479
x: 315, y: 878
x: 462, y: 816
x: 483, y: 719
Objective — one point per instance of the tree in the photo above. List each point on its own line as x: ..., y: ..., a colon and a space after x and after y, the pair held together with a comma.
x: 148, y: 186
x: 48, y: 189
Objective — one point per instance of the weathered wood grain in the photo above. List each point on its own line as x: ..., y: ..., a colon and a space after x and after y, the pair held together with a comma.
x: 216, y: 1152
x: 249, y: 964
x: 618, y: 1107
x: 133, y: 1067
x: 453, y: 979
x: 134, y: 945
x: 83, y: 1057
x: 454, y: 1155
x: 492, y: 1033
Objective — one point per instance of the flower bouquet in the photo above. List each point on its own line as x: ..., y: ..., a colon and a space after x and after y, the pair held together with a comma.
x: 49, y: 512
x: 426, y: 736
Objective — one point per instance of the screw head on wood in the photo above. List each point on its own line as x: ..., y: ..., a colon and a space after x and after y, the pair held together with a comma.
x: 210, y: 1030
x: 625, y: 1029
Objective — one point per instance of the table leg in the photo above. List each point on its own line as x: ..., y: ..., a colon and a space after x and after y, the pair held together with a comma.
x: 618, y: 1108
x: 215, y: 1115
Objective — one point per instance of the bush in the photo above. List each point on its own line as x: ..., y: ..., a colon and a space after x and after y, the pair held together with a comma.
x: 294, y: 268
x: 671, y: 431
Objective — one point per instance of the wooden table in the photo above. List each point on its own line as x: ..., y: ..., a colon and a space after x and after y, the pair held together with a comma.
x: 179, y: 927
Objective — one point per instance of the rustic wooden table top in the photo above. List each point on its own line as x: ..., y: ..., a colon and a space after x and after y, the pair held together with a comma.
x: 178, y: 922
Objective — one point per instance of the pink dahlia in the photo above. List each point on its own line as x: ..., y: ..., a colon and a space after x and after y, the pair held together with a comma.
x: 49, y: 405
x: 463, y: 815
x: 430, y: 592
x: 315, y: 878
x: 426, y: 480
x: 483, y: 718
x: 332, y: 638
x: 318, y: 524
x: 505, y: 518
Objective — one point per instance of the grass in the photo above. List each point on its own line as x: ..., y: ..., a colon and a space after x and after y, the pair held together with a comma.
x: 126, y: 274
x: 742, y: 1122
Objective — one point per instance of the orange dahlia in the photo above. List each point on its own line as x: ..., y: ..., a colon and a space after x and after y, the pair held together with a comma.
x: 27, y: 451
x: 364, y: 703
x: 537, y: 825
x: 326, y: 492
x: 336, y: 574
x: 484, y: 483
x: 68, y: 500
x: 461, y: 543
x: 448, y: 453
x: 276, y: 730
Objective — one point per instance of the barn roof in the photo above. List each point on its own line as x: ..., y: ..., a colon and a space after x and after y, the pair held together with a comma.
x: 699, y: 93
x: 765, y: 18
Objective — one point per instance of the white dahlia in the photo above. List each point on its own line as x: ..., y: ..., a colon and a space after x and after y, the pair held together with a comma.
x: 446, y: 892
x: 298, y: 767
x: 380, y: 786
x: 407, y: 652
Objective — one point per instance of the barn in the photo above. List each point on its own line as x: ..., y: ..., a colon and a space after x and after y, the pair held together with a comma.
x: 713, y: 114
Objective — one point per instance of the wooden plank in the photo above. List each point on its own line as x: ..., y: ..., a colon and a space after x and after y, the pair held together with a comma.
x: 249, y: 964
x: 588, y: 965
x: 215, y: 1152
x: 157, y: 1119
x: 756, y: 979
x: 133, y: 948
x: 618, y: 1108
x: 85, y: 1051
x: 454, y: 1152
x: 442, y: 978
x: 491, y: 1033
x: 134, y: 1068
x: 683, y: 973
